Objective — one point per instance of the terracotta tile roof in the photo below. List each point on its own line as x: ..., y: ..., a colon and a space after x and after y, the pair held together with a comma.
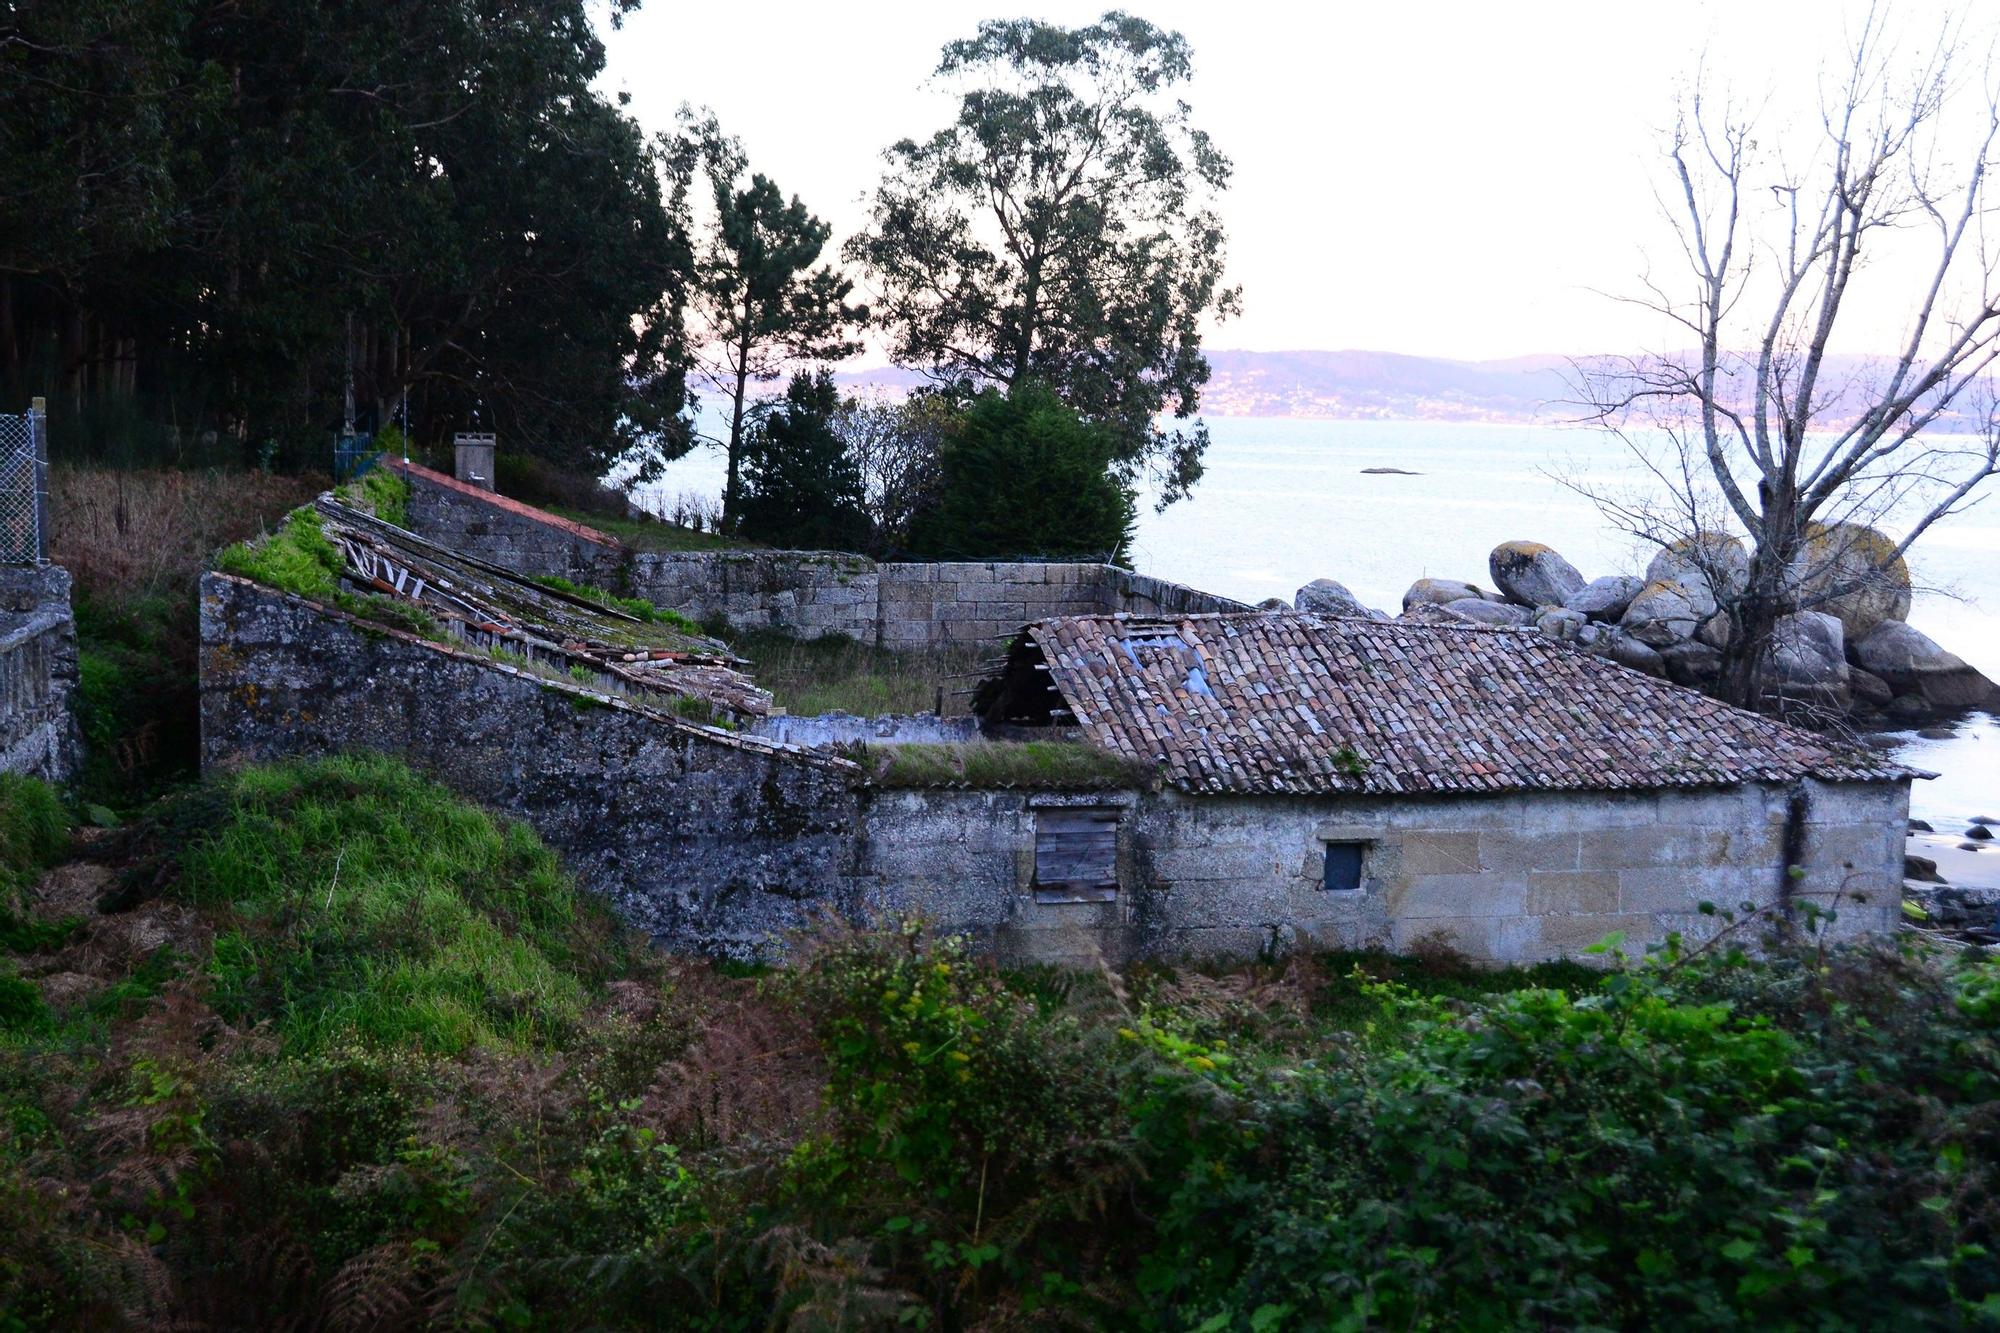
x: 498, y: 501
x: 1280, y: 702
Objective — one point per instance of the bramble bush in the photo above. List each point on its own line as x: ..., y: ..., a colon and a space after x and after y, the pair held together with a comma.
x: 343, y: 1051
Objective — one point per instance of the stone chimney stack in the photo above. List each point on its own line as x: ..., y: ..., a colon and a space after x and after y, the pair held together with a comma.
x: 474, y: 458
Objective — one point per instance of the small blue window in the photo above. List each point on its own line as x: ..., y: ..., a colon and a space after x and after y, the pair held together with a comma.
x: 1343, y: 867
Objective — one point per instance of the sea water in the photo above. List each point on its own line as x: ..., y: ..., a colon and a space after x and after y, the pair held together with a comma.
x: 1286, y: 500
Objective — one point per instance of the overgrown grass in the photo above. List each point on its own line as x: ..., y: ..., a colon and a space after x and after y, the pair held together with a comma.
x: 636, y: 607
x: 388, y: 1069
x: 1051, y: 765
x: 837, y: 674
x: 651, y: 534
x: 361, y: 902
x: 34, y: 832
x: 383, y: 493
x: 297, y: 558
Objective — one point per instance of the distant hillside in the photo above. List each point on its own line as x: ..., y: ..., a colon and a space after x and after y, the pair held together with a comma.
x: 1389, y: 386
x: 1354, y: 384
x: 1382, y: 385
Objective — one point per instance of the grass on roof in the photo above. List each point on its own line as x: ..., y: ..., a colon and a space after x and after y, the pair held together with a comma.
x: 1051, y: 765
x: 636, y: 607
x: 650, y: 535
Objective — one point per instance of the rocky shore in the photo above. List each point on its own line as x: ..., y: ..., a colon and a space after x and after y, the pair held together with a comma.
x: 1851, y: 657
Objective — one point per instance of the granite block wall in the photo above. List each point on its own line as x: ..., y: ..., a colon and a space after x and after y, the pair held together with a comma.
x: 711, y: 841
x: 909, y: 606
x: 1503, y: 879
x: 38, y: 674
x: 502, y: 532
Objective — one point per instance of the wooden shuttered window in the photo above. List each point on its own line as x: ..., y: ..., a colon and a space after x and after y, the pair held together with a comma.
x: 1076, y: 855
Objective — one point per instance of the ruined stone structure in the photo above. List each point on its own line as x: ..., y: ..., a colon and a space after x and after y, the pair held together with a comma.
x: 1323, y: 781
x: 38, y: 673
x: 807, y: 593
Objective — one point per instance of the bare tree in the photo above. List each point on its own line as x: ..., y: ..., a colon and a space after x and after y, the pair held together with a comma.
x: 897, y: 447
x: 1769, y: 426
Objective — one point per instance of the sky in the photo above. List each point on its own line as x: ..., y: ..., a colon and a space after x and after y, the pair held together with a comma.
x: 1471, y: 180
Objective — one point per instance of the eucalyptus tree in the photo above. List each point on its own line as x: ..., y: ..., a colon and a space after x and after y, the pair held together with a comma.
x: 1061, y: 230
x: 762, y: 299
x: 1785, y: 422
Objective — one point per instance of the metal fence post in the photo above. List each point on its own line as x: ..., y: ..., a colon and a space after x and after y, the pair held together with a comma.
x: 38, y: 430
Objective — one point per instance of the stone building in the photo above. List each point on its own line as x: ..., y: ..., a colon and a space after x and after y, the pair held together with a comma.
x: 1266, y: 779
x: 1358, y: 782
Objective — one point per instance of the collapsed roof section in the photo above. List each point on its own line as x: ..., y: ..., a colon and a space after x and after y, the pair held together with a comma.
x: 658, y: 662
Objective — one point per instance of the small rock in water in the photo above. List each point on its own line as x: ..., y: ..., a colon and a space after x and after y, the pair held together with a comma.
x: 1389, y: 472
x: 1980, y: 833
x: 1922, y: 869
x: 1985, y: 819
x: 1923, y: 826
x: 1970, y: 847
x: 1936, y: 733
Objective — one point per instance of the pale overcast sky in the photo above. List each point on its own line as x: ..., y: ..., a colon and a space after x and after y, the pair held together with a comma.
x: 1443, y: 177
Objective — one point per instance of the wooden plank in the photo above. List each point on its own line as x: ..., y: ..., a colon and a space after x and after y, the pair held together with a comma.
x: 1076, y: 855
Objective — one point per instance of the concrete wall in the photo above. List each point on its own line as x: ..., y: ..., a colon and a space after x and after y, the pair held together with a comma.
x: 806, y: 593
x: 38, y: 674
x: 1504, y: 879
x: 709, y: 840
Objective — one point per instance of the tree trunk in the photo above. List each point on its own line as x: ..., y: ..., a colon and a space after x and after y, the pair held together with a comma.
x: 10, y: 345
x: 1768, y: 597
x: 731, y: 492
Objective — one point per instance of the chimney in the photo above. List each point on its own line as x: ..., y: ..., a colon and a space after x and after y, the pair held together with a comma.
x: 473, y: 453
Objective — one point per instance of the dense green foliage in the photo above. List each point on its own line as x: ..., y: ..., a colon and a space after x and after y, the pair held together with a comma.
x: 34, y: 831
x: 763, y: 299
x: 343, y: 1051
x: 801, y: 488
x: 1061, y: 229
x: 205, y: 198
x: 1023, y: 475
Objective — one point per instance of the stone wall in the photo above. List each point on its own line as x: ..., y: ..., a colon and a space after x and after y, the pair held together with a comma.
x: 503, y: 532
x: 718, y: 842
x: 709, y: 840
x: 847, y: 729
x: 38, y: 674
x: 807, y: 593
x: 1501, y: 879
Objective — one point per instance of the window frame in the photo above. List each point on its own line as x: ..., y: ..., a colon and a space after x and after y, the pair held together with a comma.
x: 1363, y: 851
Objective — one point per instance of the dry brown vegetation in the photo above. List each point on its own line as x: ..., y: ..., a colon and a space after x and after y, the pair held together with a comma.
x: 127, y: 536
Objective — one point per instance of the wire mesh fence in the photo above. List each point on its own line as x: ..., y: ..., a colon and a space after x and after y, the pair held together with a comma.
x: 24, y: 488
